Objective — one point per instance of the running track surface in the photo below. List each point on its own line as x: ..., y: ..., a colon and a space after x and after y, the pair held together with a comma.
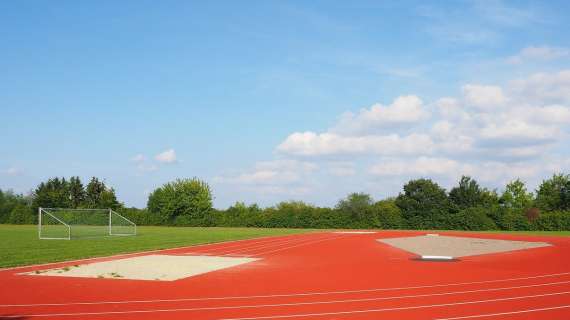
x: 322, y: 275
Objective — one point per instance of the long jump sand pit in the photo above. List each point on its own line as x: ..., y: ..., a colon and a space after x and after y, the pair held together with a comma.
x: 430, y: 245
x: 149, y: 267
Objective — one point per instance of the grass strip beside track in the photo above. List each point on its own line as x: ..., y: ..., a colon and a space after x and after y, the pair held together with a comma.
x: 19, y: 245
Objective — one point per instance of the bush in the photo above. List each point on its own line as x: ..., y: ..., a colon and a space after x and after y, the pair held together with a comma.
x: 389, y: 215
x: 553, y: 221
x: 472, y: 219
x: 183, y: 197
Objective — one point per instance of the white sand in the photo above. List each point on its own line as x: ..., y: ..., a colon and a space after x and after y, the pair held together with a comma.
x: 457, y: 246
x: 150, y: 267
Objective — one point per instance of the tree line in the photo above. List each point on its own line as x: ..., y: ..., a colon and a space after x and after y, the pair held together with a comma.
x: 422, y: 204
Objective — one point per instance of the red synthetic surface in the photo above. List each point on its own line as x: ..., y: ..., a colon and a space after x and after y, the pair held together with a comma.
x: 314, y: 276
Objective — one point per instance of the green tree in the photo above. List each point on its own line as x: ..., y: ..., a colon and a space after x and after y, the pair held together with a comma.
x: 357, y: 207
x: 549, y: 193
x: 516, y: 196
x: 188, y: 198
x: 424, y: 204
x: 469, y: 194
x: 565, y: 197
x: 98, y: 195
x: 76, y: 192
x: 22, y: 214
x: 52, y: 194
x: 389, y: 215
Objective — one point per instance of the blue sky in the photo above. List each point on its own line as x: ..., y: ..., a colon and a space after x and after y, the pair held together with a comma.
x: 278, y: 100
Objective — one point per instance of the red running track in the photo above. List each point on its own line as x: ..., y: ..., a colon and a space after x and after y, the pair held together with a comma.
x: 313, y: 276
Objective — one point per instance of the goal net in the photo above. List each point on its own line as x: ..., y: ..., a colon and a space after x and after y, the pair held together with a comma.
x: 59, y: 223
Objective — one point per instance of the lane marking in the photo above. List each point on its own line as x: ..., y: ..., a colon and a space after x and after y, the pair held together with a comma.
x: 505, y: 313
x: 268, y: 245
x: 249, y: 244
x: 299, y: 245
x: 297, y: 303
x: 295, y: 315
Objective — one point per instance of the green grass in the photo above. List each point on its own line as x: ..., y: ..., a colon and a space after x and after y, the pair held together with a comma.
x: 19, y: 245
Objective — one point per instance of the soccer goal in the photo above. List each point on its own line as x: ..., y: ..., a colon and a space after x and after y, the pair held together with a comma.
x: 67, y: 224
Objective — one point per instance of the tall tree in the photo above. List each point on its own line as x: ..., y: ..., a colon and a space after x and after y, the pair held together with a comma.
x: 356, y: 205
x: 424, y: 204
x: 76, y: 192
x: 565, y: 196
x: 548, y: 194
x: 189, y: 198
x: 469, y: 194
x: 52, y: 194
x: 516, y: 196
x: 93, y: 192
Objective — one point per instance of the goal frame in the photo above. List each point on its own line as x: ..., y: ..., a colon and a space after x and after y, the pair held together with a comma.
x: 68, y: 226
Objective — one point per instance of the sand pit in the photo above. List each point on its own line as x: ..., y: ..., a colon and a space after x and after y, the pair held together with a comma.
x: 150, y: 267
x: 457, y: 246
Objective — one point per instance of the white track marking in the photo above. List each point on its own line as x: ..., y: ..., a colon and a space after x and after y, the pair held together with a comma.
x: 295, y: 315
x: 299, y: 245
x: 122, y: 255
x: 284, y: 295
x: 249, y: 244
x: 264, y: 245
x: 294, y: 243
x: 355, y: 300
x: 505, y: 313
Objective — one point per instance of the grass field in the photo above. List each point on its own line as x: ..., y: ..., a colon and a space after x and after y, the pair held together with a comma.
x: 19, y: 245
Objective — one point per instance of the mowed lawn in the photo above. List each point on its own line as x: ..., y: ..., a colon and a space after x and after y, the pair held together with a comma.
x: 19, y: 245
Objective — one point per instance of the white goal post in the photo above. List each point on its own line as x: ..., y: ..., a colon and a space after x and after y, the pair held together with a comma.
x: 67, y: 224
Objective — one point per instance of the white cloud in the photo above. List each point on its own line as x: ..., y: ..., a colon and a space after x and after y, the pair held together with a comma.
x: 278, y: 172
x: 404, y: 110
x: 485, y: 98
x: 543, y: 88
x: 168, y: 156
x: 519, y: 132
x: 422, y: 166
x: 313, y: 144
x: 542, y: 53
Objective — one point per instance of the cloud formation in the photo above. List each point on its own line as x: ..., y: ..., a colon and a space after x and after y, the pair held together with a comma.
x: 167, y: 156
x: 494, y: 133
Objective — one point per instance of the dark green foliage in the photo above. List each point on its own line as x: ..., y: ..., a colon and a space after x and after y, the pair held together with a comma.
x: 552, y: 221
x: 424, y: 204
x: 474, y: 218
x: 184, y: 197
x: 565, y: 196
x: 551, y: 194
x: 53, y: 193
x: 389, y: 215
x: 516, y: 197
x: 469, y: 194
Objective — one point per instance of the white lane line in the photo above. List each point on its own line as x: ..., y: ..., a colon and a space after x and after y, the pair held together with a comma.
x: 252, y: 306
x: 280, y: 244
x: 283, y: 295
x: 124, y: 255
x: 263, y: 245
x: 506, y: 313
x: 248, y: 244
x: 299, y: 245
x: 293, y: 315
